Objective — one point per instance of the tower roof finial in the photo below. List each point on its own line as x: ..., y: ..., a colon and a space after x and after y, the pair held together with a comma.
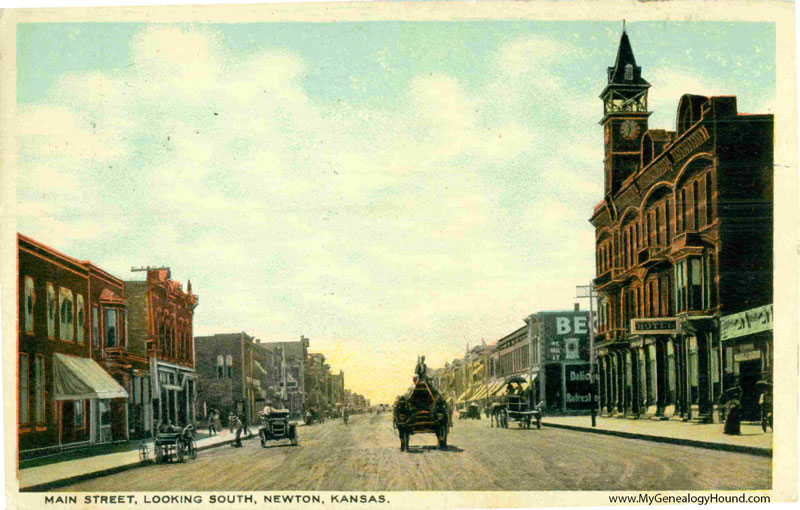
x: 623, y: 25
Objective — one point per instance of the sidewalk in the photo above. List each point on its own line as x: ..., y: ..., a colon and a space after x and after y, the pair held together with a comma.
x: 63, y: 473
x: 702, y: 435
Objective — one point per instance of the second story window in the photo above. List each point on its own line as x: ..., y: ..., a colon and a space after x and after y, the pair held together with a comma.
x: 112, y: 330
x: 95, y: 327
x: 30, y: 298
x: 66, y: 317
x: 79, y: 319
x: 229, y: 366
x: 689, y: 284
x: 51, y: 311
x: 220, y: 366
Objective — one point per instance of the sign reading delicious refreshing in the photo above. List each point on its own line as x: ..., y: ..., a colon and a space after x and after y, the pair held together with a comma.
x: 746, y: 323
x: 659, y: 326
x: 577, y: 379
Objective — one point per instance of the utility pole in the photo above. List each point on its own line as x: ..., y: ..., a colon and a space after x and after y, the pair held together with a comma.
x: 588, y: 291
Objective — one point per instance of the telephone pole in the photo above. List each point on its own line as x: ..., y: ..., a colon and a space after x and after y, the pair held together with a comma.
x: 588, y: 291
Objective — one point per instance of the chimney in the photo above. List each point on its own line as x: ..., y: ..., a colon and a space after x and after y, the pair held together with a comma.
x: 577, y: 307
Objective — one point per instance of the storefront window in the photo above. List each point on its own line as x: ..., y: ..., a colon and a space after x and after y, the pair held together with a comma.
x: 693, y: 375
x: 38, y: 388
x: 78, y: 414
x: 104, y: 420
x: 24, y: 394
x: 671, y: 371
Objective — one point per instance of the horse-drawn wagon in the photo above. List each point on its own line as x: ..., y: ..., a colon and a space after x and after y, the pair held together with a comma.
x: 515, y: 406
x: 171, y: 443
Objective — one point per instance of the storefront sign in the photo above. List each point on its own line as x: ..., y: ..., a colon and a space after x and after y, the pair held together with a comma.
x: 746, y: 323
x: 566, y: 336
x: 578, y: 391
x: 747, y: 356
x: 660, y: 326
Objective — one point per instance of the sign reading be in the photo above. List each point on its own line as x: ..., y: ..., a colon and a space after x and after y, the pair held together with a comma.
x: 577, y: 325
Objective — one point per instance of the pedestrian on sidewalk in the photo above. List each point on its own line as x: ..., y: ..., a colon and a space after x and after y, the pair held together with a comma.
x: 212, y: 424
x: 232, y: 422
x: 217, y: 422
x: 732, y: 401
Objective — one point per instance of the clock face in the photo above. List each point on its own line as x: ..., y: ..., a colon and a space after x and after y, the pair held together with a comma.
x: 629, y: 129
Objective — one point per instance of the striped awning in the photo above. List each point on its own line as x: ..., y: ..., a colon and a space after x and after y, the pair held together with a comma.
x: 495, y: 388
x: 463, y: 397
x: 479, y: 393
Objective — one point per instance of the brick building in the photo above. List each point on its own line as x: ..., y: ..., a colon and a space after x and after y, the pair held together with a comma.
x: 683, y: 243
x: 65, y: 398
x: 160, y: 318
x: 291, y: 382
x: 232, y: 372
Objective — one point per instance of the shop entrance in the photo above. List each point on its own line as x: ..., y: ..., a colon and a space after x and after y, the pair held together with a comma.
x: 749, y: 375
x: 553, y: 394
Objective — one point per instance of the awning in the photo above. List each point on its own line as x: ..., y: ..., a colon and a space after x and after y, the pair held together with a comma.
x: 479, y: 394
x: 463, y: 397
x: 522, y: 379
x: 77, y: 378
x: 495, y: 388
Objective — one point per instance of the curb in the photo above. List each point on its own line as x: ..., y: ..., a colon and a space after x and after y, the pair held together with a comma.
x: 55, y: 484
x: 709, y: 445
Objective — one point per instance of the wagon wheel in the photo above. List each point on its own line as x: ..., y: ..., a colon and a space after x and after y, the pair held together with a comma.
x: 159, y: 452
x: 192, y: 449
x: 180, y: 447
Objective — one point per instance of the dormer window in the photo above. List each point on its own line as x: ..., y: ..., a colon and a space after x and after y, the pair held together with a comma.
x: 628, y: 72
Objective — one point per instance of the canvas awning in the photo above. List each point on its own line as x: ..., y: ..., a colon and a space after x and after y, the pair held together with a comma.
x: 77, y: 378
x: 523, y: 380
x: 495, y: 388
x: 462, y: 398
x: 479, y: 394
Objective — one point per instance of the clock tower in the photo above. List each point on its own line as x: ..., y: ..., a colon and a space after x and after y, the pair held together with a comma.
x: 624, y: 116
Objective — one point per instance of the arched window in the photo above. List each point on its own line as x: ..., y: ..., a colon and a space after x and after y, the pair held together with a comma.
x: 220, y: 367
x: 229, y: 366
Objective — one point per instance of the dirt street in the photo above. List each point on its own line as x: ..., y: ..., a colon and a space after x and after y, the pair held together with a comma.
x: 365, y: 455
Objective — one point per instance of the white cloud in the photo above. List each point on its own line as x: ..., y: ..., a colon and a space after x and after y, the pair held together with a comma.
x: 383, y: 227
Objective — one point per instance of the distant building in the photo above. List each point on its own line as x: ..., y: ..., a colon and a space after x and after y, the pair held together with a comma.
x: 232, y: 372
x: 64, y: 396
x: 160, y: 321
x: 293, y: 356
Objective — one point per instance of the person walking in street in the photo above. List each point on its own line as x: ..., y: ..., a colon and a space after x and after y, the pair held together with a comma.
x: 245, y: 425
x: 237, y: 443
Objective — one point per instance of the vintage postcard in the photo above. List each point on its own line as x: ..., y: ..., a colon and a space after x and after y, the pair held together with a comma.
x: 399, y: 255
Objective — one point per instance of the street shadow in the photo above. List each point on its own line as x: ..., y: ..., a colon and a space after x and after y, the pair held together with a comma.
x: 426, y: 448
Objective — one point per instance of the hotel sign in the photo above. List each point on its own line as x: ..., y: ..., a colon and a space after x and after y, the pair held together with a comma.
x: 746, y: 323
x: 657, y: 326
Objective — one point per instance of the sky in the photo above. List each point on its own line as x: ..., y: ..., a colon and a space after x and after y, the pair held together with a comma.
x: 385, y: 188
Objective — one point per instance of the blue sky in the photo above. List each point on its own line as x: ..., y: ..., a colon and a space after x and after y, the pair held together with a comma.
x: 386, y: 188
